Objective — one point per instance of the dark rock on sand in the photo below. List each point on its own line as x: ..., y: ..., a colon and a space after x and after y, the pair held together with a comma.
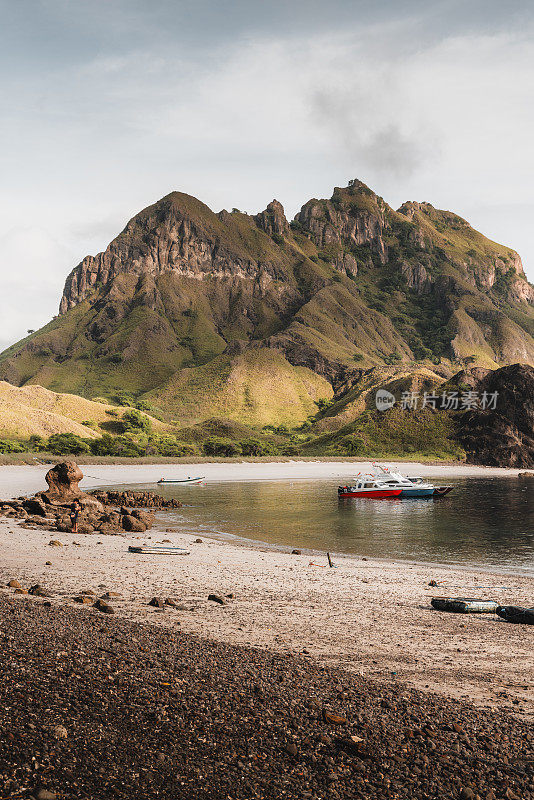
x: 215, y: 598
x: 34, y: 506
x: 157, y: 602
x: 132, y: 524
x: 104, y: 607
x: 39, y: 591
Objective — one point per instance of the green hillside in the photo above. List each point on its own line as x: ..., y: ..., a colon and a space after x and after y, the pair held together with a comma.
x: 254, y: 318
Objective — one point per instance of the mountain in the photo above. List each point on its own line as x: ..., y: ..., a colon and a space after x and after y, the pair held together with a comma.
x: 207, y: 314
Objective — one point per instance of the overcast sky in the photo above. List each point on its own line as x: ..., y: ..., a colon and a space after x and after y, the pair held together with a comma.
x: 107, y: 105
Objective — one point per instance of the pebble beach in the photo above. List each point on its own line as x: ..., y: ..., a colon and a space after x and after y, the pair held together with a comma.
x: 240, y: 672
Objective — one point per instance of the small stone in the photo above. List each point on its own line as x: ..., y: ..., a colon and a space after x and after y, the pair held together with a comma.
x: 296, y: 552
x: 333, y: 719
x: 108, y: 595
x: 20, y: 591
x: 292, y: 749
x: 55, y: 543
x: 467, y: 794
x: 14, y: 584
x: 105, y: 608
x: 169, y: 601
x: 198, y: 541
x: 433, y: 583
x: 230, y: 596
x: 216, y: 599
x: 59, y: 732
x: 157, y: 602
x: 84, y: 599
x: 44, y: 794
x: 48, y: 563
x: 39, y: 591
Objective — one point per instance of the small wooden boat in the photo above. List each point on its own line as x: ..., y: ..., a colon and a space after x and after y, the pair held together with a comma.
x: 182, y: 481
x: 158, y: 550
x: 464, y: 605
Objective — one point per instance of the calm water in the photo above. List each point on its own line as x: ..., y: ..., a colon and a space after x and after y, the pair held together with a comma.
x: 483, y: 522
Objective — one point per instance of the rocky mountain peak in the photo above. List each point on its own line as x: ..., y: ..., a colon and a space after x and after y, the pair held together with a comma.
x: 273, y: 220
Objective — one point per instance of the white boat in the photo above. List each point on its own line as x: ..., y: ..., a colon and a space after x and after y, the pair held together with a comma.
x: 183, y: 480
x: 385, y: 482
x: 411, y: 487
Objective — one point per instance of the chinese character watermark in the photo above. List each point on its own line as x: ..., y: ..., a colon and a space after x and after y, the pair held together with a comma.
x: 446, y: 401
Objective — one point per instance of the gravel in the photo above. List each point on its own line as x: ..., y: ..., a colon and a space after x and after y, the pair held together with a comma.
x: 94, y: 706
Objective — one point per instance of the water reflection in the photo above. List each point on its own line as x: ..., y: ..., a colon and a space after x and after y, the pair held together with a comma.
x: 482, y: 522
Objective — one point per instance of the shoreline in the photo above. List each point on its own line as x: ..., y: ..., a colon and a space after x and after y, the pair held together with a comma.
x: 27, y: 479
x: 369, y: 616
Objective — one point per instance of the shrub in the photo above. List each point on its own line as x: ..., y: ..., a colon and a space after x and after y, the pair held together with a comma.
x: 354, y: 444
x: 134, y: 420
x: 63, y: 444
x: 219, y: 446
x: 170, y: 446
x: 123, y: 399
x: 7, y: 446
x: 255, y: 447
x: 123, y: 446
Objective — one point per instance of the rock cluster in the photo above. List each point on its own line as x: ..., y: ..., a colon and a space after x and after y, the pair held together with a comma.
x: 176, y: 716
x: 59, y: 518
x: 138, y: 499
x: 52, y: 510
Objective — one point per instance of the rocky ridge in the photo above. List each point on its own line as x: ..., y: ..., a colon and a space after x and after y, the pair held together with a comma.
x: 212, y: 301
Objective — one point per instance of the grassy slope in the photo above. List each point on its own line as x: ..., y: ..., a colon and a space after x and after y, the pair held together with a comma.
x: 380, y: 434
x: 33, y: 410
x: 258, y: 387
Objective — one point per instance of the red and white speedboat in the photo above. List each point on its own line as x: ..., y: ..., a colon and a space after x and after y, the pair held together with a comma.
x: 368, y: 486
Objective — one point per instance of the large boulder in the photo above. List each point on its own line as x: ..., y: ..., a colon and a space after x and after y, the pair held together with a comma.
x: 63, y: 489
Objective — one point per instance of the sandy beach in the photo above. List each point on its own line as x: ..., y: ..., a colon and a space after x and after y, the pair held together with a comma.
x: 371, y: 617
